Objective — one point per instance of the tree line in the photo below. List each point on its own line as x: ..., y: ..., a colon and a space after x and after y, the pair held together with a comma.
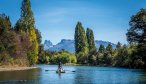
x: 132, y: 55
x: 19, y: 45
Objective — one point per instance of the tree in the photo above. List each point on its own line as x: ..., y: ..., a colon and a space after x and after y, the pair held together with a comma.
x: 41, y: 55
x: 122, y: 57
x: 93, y: 57
x: 109, y: 49
x: 81, y: 45
x: 18, y: 26
x: 13, y: 45
x: 7, y: 38
x: 27, y: 19
x: 39, y: 37
x: 61, y: 56
x: 90, y: 39
x: 137, y: 34
x: 101, y: 49
x: 119, y: 45
x: 27, y: 24
x: 5, y: 24
x: 107, y: 56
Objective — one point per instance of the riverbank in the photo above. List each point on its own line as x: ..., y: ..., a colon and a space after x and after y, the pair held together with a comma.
x: 71, y: 64
x: 17, y: 68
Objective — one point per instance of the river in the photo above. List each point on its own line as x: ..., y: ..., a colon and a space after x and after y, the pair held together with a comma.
x: 46, y: 74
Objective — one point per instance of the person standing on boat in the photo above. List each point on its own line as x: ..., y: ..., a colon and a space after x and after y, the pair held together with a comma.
x: 60, y: 67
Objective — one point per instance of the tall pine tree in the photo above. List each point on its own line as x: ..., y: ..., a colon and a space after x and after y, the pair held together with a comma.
x: 81, y: 45
x: 27, y: 24
x: 101, y: 49
x: 90, y: 39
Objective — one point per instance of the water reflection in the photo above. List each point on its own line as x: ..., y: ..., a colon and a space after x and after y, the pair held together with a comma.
x: 106, y: 75
x: 11, y: 77
x: 82, y: 75
x: 59, y: 75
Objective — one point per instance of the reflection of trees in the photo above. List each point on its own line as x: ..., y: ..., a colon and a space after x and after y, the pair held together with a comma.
x: 28, y: 75
x: 81, y: 77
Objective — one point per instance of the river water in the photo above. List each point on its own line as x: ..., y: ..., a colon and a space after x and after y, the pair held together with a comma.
x: 46, y: 74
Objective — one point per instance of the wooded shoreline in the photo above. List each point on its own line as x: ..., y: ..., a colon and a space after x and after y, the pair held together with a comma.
x: 17, y: 68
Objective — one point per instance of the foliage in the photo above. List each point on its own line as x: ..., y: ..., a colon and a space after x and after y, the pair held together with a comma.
x: 90, y: 39
x: 93, y: 57
x: 5, y: 24
x: 119, y: 45
x: 121, y: 56
x: 101, y: 49
x: 38, y: 35
x: 137, y: 35
x: 109, y: 49
x: 41, y: 55
x: 65, y: 57
x: 81, y: 45
x: 20, y: 42
x: 56, y: 57
x: 21, y: 45
x: 26, y: 23
x: 13, y: 45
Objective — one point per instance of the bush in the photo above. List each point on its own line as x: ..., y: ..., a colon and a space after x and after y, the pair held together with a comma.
x: 61, y: 56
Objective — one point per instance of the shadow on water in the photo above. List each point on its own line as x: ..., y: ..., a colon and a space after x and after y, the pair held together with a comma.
x: 17, y: 77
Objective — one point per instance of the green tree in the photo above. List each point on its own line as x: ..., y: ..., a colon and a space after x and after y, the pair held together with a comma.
x: 101, y: 49
x: 109, y: 49
x: 62, y: 56
x: 81, y: 45
x: 119, y: 45
x: 13, y: 45
x: 6, y: 38
x: 93, y: 57
x: 39, y: 37
x: 27, y: 24
x: 108, y: 55
x: 42, y: 55
x: 90, y: 39
x: 122, y: 57
x: 107, y: 59
x: 5, y: 24
x: 137, y: 34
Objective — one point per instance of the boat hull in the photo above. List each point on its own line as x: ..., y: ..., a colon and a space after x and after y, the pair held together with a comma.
x: 60, y: 71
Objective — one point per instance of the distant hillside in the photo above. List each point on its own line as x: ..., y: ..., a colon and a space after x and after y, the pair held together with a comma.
x: 68, y: 45
x: 47, y: 44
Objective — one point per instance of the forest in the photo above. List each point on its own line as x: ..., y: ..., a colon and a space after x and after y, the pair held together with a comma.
x: 20, y: 45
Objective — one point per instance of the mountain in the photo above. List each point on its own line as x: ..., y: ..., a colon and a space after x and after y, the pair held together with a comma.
x: 105, y: 43
x: 47, y: 44
x: 68, y: 45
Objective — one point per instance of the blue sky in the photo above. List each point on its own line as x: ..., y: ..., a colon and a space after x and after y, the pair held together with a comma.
x: 56, y: 19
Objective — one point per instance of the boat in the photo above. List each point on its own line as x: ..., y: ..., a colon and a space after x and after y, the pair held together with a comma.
x: 60, y: 71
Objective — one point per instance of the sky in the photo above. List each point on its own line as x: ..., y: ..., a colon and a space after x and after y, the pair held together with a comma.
x: 57, y: 19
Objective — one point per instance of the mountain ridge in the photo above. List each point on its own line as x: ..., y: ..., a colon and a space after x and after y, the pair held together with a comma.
x: 68, y: 44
